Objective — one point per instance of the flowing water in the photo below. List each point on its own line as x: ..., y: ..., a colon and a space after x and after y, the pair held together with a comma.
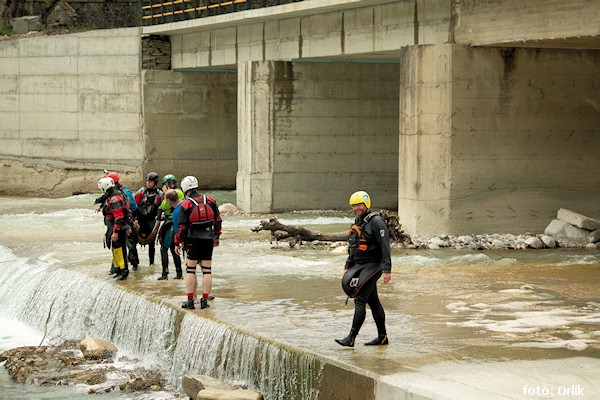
x: 440, y: 306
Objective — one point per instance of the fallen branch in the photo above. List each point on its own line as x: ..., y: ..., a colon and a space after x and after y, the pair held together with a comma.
x: 299, y: 233
x: 395, y: 227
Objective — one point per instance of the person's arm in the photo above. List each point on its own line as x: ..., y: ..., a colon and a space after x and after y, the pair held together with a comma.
x: 380, y: 233
x: 118, y: 209
x: 182, y: 224
x: 218, y: 221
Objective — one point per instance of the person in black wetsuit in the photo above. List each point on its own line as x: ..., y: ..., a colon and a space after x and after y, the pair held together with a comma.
x: 167, y: 232
x: 148, y: 200
x: 116, y: 217
x: 368, y: 259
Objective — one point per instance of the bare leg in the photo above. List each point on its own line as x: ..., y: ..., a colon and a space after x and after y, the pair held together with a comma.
x: 206, y: 277
x: 191, y: 281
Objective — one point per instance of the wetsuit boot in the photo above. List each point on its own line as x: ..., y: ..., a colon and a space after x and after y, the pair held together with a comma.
x: 151, y: 250
x: 378, y: 341
x: 164, y: 256
x: 124, y: 274
x: 189, y: 304
x: 348, y: 341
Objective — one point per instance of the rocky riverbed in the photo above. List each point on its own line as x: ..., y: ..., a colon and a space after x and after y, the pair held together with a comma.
x: 65, y: 364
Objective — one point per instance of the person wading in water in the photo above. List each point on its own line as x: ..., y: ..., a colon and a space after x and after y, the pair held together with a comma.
x: 368, y: 259
x: 199, y: 228
x: 167, y: 232
x: 148, y: 199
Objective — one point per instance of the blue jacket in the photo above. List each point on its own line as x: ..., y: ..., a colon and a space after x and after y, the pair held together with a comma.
x: 132, y: 204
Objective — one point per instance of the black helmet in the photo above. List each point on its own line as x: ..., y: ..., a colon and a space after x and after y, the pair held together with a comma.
x: 152, y: 176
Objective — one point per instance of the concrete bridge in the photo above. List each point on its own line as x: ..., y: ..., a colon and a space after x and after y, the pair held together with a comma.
x: 467, y: 116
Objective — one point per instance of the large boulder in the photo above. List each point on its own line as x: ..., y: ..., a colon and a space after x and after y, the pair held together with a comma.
x: 221, y: 394
x: 534, y: 242
x: 97, y: 349
x: 228, y: 209
x: 578, y: 220
x: 192, y: 384
x: 548, y: 241
x: 594, y: 237
x: 559, y: 228
x: 26, y: 24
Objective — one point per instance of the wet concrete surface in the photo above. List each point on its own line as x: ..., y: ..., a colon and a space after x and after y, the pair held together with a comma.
x: 525, y: 318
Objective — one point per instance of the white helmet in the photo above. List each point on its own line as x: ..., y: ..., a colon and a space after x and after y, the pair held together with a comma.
x: 105, y: 184
x: 189, y: 182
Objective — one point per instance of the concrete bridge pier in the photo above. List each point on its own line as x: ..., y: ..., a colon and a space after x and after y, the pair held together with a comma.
x: 496, y: 139
x: 311, y: 133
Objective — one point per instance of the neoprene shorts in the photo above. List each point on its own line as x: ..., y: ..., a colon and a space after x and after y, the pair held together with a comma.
x: 199, y: 249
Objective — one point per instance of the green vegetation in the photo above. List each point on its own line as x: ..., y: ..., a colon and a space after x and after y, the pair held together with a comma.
x: 6, y: 30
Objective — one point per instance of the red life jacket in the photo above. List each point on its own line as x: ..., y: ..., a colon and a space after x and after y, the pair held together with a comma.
x: 202, y: 214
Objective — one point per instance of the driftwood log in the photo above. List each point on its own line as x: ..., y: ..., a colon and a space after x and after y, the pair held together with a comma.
x: 299, y: 233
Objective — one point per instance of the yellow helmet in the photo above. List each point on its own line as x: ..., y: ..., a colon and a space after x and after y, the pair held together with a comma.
x: 360, y: 197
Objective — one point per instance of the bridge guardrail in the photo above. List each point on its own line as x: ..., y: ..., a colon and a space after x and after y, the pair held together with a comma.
x: 156, y: 12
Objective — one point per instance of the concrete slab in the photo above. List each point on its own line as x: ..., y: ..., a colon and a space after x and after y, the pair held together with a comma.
x: 570, y: 378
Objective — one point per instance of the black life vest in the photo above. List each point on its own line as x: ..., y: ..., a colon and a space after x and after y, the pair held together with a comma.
x: 356, y: 236
x: 148, y: 205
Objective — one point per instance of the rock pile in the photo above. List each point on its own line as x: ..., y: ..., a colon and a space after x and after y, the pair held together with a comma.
x: 569, y: 229
x: 65, y: 364
x: 570, y: 224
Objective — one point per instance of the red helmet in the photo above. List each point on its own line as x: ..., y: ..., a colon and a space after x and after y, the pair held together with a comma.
x: 113, y: 175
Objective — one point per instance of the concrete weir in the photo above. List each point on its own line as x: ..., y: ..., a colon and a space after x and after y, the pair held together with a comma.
x: 467, y: 116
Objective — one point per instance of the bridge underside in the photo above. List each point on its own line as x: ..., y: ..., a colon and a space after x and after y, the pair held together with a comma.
x: 461, y: 118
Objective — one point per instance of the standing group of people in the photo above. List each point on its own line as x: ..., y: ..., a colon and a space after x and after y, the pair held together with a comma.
x: 191, y: 223
x: 181, y: 219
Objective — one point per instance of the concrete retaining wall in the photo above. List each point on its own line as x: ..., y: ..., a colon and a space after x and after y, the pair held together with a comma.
x: 498, y: 139
x: 313, y: 133
x: 70, y: 107
x: 190, y: 125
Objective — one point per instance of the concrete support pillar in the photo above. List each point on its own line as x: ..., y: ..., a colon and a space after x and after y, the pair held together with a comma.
x: 255, y: 137
x: 496, y: 140
x: 311, y: 133
x: 424, y: 182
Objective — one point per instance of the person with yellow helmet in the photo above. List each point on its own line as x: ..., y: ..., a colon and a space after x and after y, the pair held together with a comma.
x: 368, y: 259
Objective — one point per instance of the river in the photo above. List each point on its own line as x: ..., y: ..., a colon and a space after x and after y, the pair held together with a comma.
x: 441, y: 306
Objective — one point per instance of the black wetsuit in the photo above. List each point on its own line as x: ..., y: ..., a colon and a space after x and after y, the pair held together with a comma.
x: 148, y: 207
x: 372, y: 261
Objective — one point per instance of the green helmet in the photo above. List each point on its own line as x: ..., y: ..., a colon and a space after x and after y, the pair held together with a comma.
x: 169, y: 177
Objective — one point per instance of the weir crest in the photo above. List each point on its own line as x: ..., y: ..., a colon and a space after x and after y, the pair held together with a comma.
x: 71, y: 305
